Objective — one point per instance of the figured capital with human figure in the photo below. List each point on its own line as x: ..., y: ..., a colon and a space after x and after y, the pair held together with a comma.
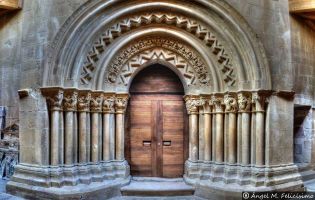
x: 244, y: 101
x: 192, y: 103
x: 54, y: 96
x: 109, y: 103
x: 70, y: 100
x: 230, y: 103
x: 96, y: 101
x: 84, y: 99
x: 217, y: 102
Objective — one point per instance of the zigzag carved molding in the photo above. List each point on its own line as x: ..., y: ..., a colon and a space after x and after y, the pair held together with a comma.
x: 193, y: 27
x: 179, y: 55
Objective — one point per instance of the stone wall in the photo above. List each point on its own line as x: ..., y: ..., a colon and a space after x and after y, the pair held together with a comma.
x: 24, y: 37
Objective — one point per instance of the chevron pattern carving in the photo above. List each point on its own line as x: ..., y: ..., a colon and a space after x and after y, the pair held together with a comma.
x: 190, y: 25
x: 157, y: 54
x: 178, y: 54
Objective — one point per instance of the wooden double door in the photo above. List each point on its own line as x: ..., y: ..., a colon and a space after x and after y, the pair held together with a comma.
x: 156, y: 141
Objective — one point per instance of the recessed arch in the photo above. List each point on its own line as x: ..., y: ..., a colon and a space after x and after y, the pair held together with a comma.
x: 233, y: 37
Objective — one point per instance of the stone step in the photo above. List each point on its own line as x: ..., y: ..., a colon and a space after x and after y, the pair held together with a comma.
x: 157, y: 187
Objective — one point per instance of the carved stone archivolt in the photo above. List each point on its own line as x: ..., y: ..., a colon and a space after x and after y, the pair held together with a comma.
x: 179, y: 55
x: 224, y: 60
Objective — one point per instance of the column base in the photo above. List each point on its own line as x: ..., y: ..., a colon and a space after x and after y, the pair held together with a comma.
x: 63, y: 182
x: 229, y: 181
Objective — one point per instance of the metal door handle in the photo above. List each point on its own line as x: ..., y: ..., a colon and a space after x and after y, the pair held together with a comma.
x: 167, y: 143
x: 147, y: 143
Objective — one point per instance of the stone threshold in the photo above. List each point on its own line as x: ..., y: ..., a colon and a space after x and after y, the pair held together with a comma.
x: 155, y: 186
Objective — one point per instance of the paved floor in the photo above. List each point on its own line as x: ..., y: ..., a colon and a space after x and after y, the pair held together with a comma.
x: 5, y: 196
x: 157, y: 198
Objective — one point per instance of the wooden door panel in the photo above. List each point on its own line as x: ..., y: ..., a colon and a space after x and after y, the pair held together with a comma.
x: 173, y: 128
x: 140, y: 131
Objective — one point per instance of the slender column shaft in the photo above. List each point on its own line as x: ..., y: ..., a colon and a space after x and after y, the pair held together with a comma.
x: 69, y: 130
x: 232, y: 138
x: 193, y: 137
x: 106, y: 137
x: 219, y: 138
x: 201, y: 134
x: 260, y: 139
x: 54, y: 137
x: 208, y: 136
x: 84, y: 128
x: 245, y: 138
x: 82, y: 137
x: 95, y: 137
x: 259, y: 100
x: 244, y: 103
x: 119, y: 136
x: 120, y: 106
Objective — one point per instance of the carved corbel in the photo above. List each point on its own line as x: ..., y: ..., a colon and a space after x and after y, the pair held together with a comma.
x: 244, y: 101
x: 84, y: 98
x: 54, y: 96
x: 96, y: 101
x: 70, y: 100
x: 121, y: 102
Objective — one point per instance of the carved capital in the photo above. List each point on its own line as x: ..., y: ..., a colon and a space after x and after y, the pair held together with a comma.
x: 109, y: 103
x: 206, y: 103
x: 121, y: 102
x: 230, y: 102
x: 244, y: 101
x: 84, y: 99
x: 259, y: 99
x: 192, y: 104
x: 54, y: 96
x: 96, y: 101
x: 217, y: 102
x: 70, y: 100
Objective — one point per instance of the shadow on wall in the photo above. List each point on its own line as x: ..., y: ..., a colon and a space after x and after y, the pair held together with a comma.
x: 303, y: 138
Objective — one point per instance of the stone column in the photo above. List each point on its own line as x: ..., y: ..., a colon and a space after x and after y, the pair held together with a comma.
x: 244, y: 104
x: 54, y: 97
x: 207, y: 128
x: 121, y: 102
x: 84, y: 133
x: 192, y: 103
x: 109, y: 126
x: 217, y: 102
x: 96, y: 110
x: 70, y: 107
x: 259, y: 101
x: 230, y: 103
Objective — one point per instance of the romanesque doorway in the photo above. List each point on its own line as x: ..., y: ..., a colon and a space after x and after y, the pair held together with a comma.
x: 156, y: 136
